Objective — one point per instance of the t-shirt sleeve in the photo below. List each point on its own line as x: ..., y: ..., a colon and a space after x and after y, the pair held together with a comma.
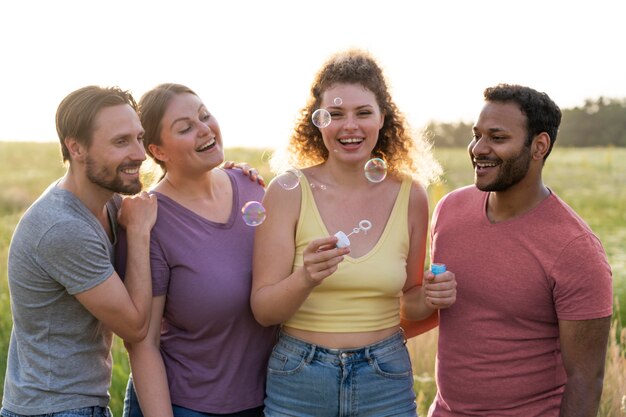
x: 583, y: 287
x: 159, y: 266
x: 74, y: 255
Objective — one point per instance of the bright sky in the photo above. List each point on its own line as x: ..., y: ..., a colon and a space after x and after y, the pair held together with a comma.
x: 252, y: 61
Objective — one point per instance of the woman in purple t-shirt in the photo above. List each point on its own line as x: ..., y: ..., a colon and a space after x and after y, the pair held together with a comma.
x: 204, y: 354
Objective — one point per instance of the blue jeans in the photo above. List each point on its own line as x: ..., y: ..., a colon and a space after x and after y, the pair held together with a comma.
x: 132, y: 409
x: 307, y: 380
x: 76, y: 412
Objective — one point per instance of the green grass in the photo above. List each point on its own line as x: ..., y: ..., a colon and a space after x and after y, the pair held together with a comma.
x: 592, y: 181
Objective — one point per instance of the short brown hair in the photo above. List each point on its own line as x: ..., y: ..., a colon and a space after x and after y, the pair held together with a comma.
x: 76, y: 114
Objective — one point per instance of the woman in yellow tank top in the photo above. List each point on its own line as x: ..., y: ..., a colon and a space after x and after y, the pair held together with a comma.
x: 341, y: 351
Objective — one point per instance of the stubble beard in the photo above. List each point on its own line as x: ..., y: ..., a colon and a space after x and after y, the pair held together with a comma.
x: 511, y: 172
x: 104, y: 178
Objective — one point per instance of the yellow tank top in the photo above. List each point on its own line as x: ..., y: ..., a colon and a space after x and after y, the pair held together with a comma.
x: 364, y: 293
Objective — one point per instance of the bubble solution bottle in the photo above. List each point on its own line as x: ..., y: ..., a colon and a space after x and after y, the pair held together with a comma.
x: 437, y: 268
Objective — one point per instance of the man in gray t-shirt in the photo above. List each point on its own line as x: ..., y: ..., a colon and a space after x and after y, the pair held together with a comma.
x: 66, y: 298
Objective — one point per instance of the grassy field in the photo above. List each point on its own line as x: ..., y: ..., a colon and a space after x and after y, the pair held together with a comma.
x: 592, y: 181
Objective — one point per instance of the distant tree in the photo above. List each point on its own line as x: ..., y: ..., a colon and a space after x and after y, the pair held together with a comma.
x: 600, y: 122
x: 450, y: 134
x: 597, y: 123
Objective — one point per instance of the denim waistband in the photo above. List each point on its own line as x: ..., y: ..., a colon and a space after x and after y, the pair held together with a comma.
x: 311, y: 351
x: 94, y: 411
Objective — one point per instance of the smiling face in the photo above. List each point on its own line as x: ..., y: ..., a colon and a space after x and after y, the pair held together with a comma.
x: 190, y: 136
x: 498, y: 150
x: 116, y: 151
x: 356, y: 121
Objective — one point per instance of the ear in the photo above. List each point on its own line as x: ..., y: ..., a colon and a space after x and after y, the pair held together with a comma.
x: 540, y: 146
x: 157, y: 152
x: 382, y: 120
x: 76, y: 150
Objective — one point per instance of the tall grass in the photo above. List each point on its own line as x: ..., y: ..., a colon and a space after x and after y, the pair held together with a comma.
x: 592, y: 181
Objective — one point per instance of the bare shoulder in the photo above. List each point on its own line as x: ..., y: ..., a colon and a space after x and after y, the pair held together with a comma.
x: 282, y: 202
x: 418, y: 197
x: 285, y: 191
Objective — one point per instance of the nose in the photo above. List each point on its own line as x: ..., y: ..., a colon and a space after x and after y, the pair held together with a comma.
x: 478, y: 147
x: 138, y: 151
x: 204, y: 129
x: 351, y: 122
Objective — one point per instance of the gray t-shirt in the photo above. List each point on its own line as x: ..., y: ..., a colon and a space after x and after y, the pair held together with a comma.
x: 59, y: 354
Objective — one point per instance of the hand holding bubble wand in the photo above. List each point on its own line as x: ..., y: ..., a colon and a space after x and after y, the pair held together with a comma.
x: 342, y: 238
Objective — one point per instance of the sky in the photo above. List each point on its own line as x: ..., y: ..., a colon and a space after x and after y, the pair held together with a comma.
x: 252, y: 61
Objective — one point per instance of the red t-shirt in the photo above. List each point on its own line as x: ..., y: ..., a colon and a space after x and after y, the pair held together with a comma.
x: 499, y: 352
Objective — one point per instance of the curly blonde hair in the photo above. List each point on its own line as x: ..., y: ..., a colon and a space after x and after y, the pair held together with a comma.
x: 405, y: 153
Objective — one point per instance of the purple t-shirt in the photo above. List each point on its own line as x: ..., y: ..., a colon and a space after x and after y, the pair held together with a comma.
x: 499, y: 352
x: 214, y: 351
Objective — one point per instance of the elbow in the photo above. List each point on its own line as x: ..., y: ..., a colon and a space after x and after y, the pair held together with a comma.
x: 265, y: 321
x: 597, y: 382
x: 591, y: 384
x: 138, y: 335
x: 261, y: 315
x: 135, y: 334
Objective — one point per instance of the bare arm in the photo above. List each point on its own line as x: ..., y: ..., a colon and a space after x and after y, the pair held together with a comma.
x: 423, y: 292
x: 124, y: 307
x: 583, y: 348
x: 277, y: 292
x: 148, y: 369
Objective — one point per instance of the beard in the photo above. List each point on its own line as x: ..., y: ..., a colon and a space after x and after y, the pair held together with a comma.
x: 511, y: 172
x: 103, y: 177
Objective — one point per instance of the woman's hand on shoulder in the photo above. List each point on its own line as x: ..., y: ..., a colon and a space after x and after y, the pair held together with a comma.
x: 246, y: 169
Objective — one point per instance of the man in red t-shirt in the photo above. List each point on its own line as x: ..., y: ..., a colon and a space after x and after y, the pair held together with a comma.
x: 528, y: 333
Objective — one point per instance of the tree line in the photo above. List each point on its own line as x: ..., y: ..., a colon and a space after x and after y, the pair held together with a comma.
x: 600, y: 122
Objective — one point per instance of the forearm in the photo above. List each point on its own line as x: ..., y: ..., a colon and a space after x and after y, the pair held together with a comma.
x: 138, y: 279
x: 277, y: 303
x: 413, y: 305
x: 150, y: 380
x: 582, y: 396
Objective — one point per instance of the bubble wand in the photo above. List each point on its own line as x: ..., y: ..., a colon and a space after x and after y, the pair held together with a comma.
x: 342, y: 238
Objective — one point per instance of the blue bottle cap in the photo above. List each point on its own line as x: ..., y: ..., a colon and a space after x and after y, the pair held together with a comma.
x: 438, y: 268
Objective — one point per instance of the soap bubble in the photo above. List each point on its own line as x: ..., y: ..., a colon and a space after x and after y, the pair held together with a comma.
x: 321, y: 118
x: 317, y: 187
x: 289, y: 179
x: 337, y: 101
x: 253, y: 213
x: 375, y: 170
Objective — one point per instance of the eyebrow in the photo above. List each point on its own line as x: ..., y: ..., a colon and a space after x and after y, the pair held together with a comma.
x: 491, y: 129
x: 180, y: 119
x: 127, y: 135
x: 358, y: 107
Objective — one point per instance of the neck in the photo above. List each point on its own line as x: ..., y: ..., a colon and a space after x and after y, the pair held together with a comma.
x: 346, y: 175
x: 515, y: 201
x: 191, y: 187
x: 91, y: 195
